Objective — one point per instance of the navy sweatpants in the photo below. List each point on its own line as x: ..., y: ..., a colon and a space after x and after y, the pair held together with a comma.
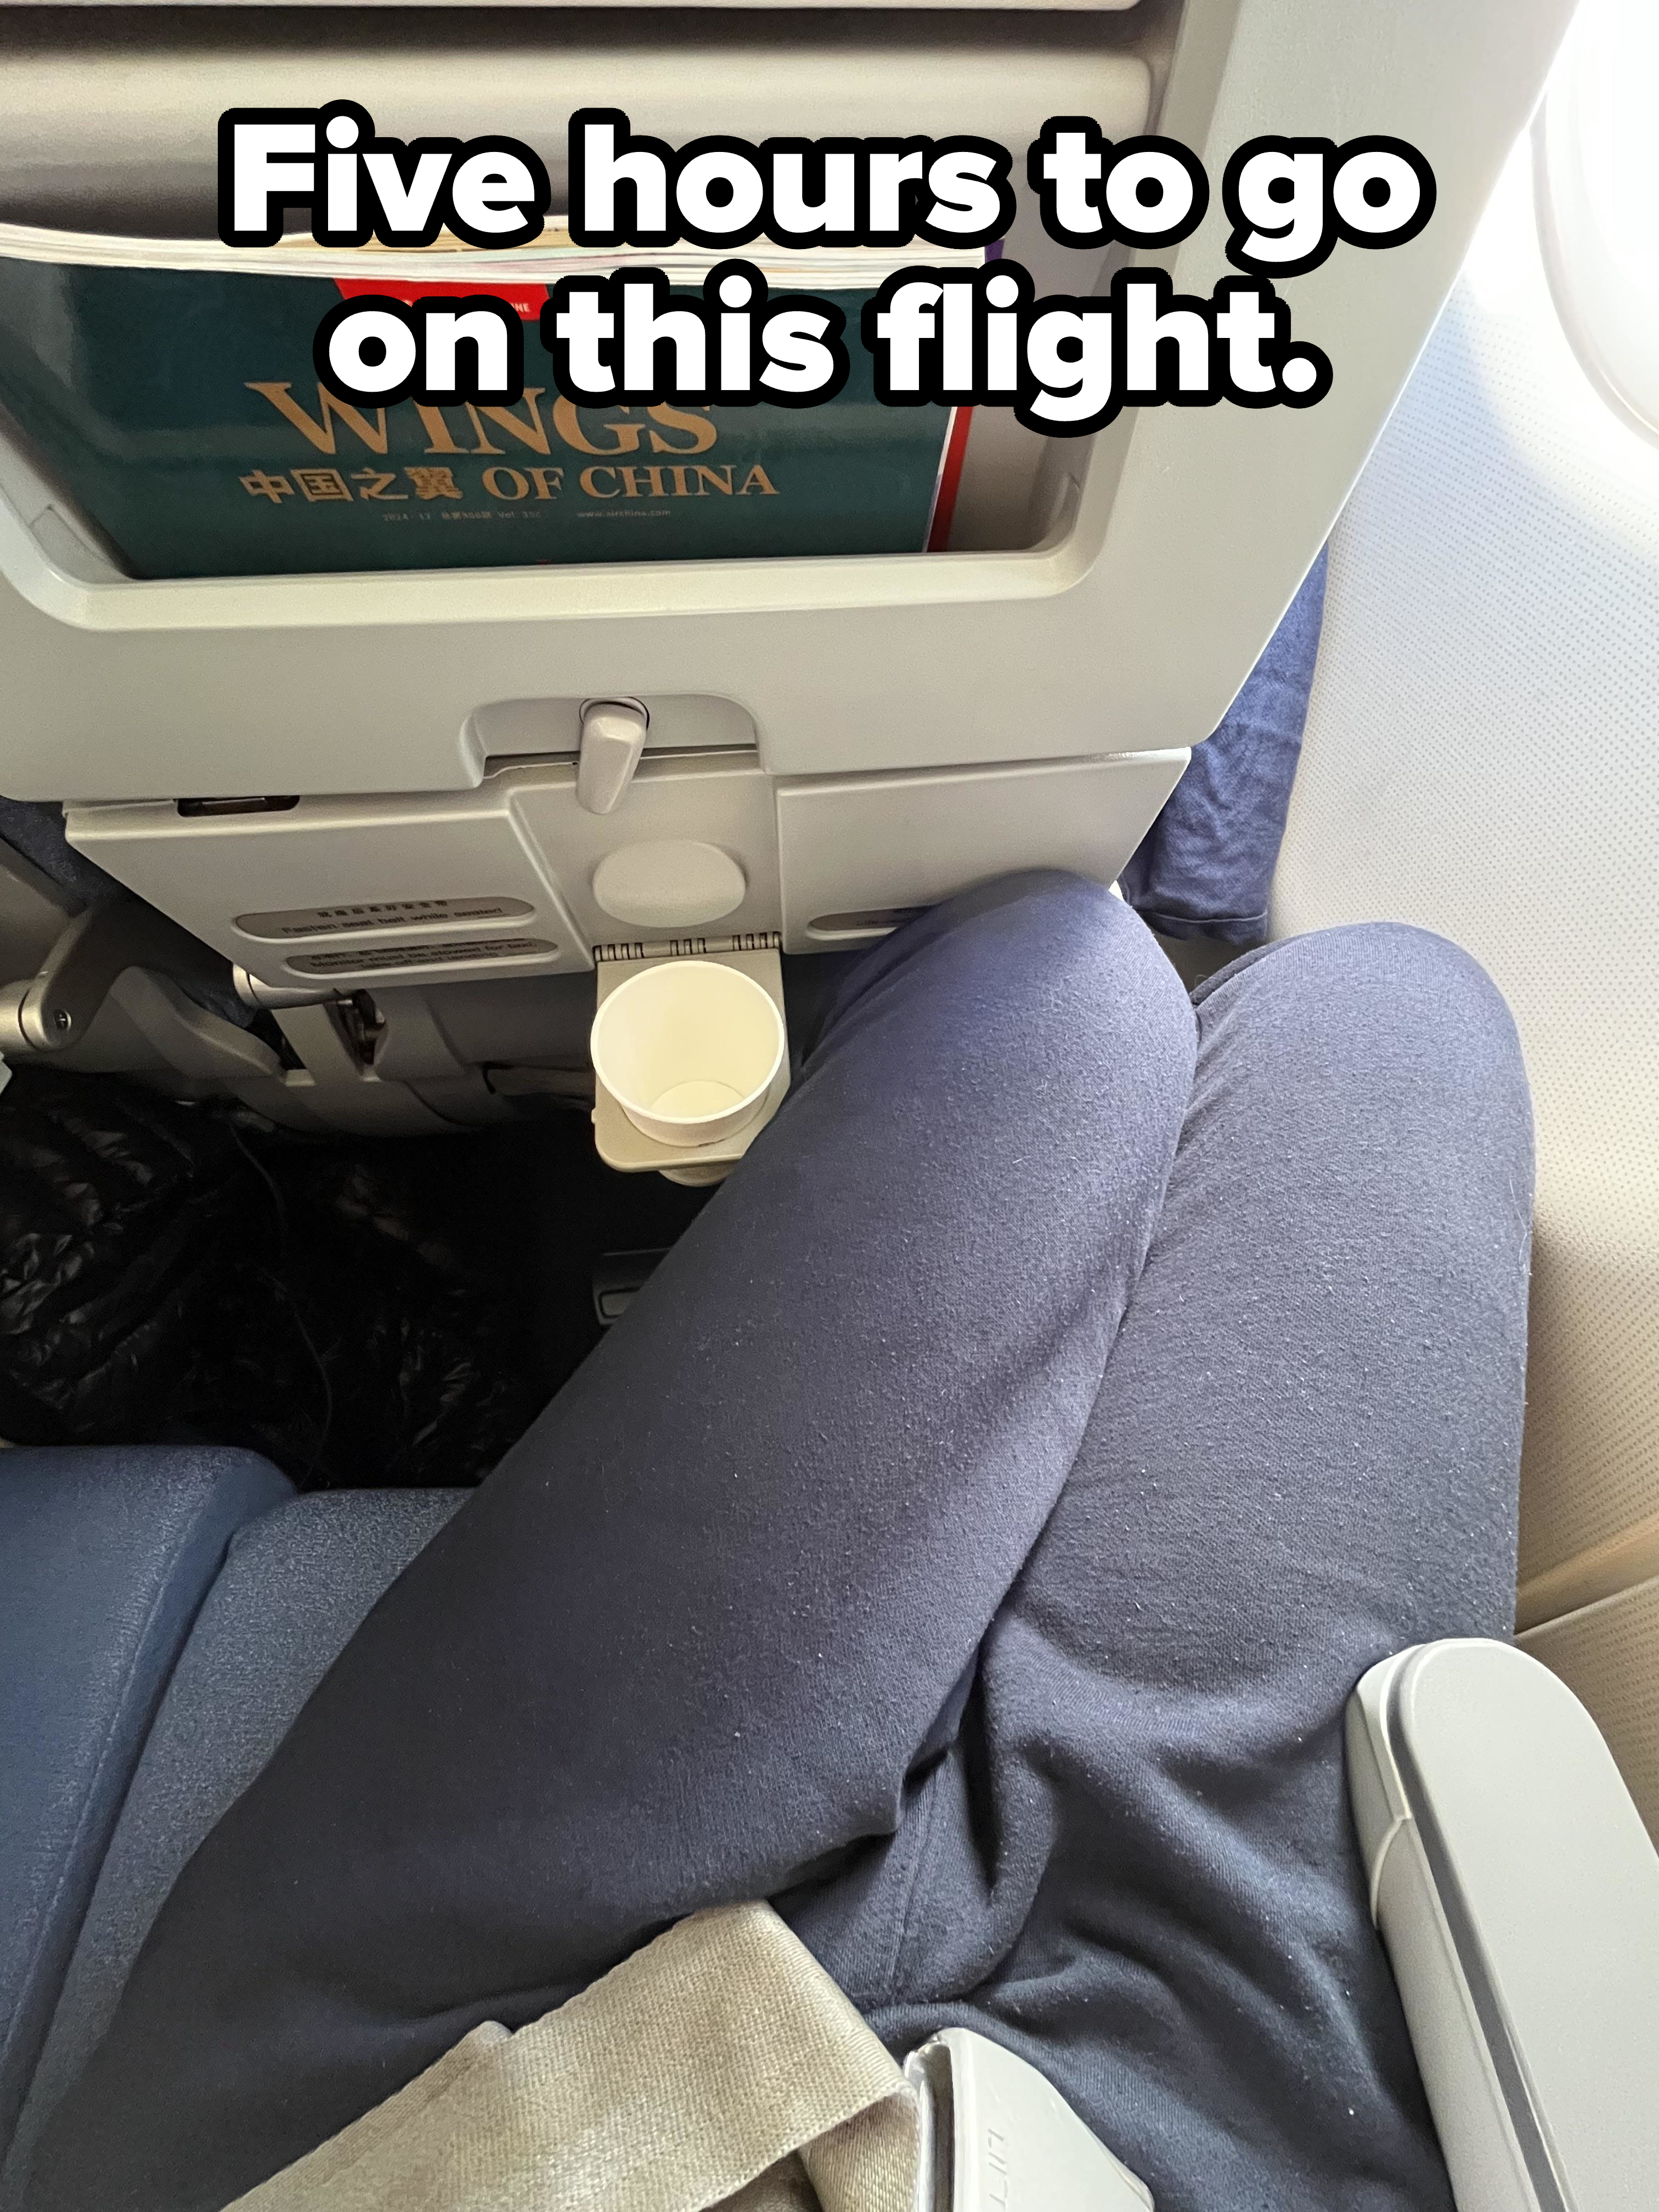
x: 969, y: 1539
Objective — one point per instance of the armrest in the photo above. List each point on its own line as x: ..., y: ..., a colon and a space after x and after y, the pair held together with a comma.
x: 1517, y: 1893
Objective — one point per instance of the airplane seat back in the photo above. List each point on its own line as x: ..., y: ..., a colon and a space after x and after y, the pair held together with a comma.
x: 369, y: 783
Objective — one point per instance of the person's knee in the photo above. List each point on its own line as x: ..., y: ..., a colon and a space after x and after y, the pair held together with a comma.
x: 1036, y: 899
x: 1374, y: 993
x: 1040, y: 961
x: 1022, y: 925
x: 1393, y: 972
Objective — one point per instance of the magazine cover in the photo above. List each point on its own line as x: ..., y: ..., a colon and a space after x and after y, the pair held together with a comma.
x: 168, y: 387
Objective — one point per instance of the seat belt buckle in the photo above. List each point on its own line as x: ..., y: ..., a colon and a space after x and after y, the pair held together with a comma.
x: 996, y: 2136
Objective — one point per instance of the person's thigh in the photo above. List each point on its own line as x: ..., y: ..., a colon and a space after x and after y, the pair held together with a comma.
x: 691, y: 1638
x: 1304, y: 1457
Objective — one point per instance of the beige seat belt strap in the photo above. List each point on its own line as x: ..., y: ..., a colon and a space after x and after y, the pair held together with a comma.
x: 720, y: 2065
x: 719, y: 2059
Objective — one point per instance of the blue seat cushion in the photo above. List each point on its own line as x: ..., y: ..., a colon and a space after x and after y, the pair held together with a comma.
x: 294, y: 1586
x: 105, y: 1557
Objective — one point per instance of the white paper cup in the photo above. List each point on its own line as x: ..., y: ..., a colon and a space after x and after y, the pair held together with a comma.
x: 689, y: 1050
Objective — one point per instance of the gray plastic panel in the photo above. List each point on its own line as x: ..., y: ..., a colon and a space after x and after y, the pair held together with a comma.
x: 862, y: 849
x: 516, y: 875
x: 110, y: 116
x: 1518, y: 1893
